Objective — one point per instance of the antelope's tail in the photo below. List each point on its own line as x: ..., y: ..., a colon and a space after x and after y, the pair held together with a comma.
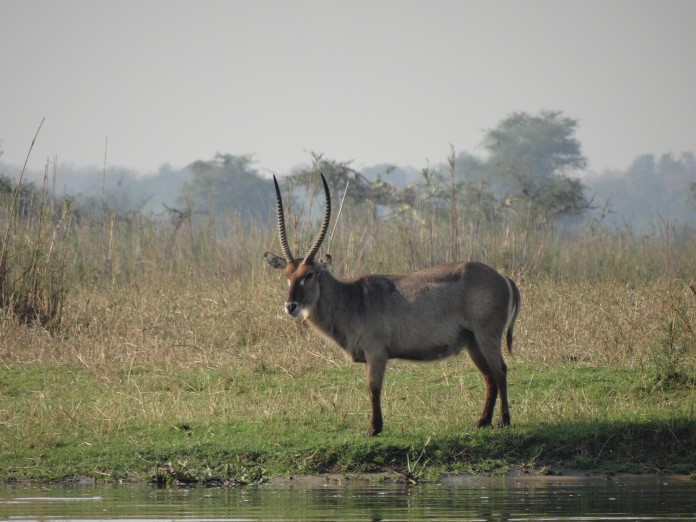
x: 516, y: 301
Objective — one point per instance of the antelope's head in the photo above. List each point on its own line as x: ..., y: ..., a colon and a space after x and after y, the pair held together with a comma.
x: 304, y: 274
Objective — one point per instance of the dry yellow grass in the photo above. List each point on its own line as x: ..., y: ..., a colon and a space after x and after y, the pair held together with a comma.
x: 216, y: 323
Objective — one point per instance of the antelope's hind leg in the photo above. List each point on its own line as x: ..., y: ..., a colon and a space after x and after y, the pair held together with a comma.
x: 491, y: 386
x: 493, y: 353
x: 502, y: 388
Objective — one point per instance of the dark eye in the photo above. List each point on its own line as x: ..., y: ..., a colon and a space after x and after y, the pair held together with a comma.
x: 309, y: 276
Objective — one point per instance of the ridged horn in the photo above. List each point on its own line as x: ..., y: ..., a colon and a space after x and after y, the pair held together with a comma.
x: 280, y: 220
x: 309, y: 258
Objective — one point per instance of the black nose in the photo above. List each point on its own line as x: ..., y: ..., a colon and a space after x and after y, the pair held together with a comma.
x: 291, y: 307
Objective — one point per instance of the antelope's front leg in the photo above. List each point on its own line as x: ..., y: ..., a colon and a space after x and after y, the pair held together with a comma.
x: 375, y: 375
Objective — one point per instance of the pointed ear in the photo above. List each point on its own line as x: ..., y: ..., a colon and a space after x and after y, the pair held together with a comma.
x: 275, y: 261
x: 325, y: 262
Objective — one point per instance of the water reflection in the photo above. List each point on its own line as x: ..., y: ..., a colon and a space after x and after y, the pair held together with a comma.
x: 472, y: 498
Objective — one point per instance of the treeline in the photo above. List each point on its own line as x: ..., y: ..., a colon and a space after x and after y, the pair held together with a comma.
x: 534, y: 172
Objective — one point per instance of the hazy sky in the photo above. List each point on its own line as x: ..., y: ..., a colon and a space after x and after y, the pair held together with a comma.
x: 369, y: 81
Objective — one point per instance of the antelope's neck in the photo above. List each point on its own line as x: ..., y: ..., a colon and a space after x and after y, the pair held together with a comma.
x: 334, y: 315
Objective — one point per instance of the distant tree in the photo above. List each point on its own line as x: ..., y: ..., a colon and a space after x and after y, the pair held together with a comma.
x: 378, y: 193
x: 533, y: 157
x: 27, y: 196
x: 470, y: 168
x: 660, y: 186
x: 477, y: 192
x: 120, y: 193
x: 652, y: 187
x: 397, y: 175
x: 676, y: 175
x: 163, y: 187
x: 228, y: 184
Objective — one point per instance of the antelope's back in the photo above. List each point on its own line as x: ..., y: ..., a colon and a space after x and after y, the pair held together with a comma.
x: 435, y: 311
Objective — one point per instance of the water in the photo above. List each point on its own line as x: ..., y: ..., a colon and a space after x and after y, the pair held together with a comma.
x: 455, y: 498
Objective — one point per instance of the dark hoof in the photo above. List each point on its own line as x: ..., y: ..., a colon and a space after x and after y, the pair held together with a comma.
x: 373, y: 432
x: 483, y: 423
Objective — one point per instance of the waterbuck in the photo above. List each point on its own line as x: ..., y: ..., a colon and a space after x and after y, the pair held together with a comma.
x: 423, y: 316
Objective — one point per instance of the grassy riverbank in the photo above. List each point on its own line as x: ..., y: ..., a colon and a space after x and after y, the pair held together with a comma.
x: 136, y: 350
x: 199, y: 381
x: 607, y: 421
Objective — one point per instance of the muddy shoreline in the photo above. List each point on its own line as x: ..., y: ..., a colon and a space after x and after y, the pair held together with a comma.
x: 321, y: 480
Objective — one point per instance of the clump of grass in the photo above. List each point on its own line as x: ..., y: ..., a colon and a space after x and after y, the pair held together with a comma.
x: 33, y: 272
x: 32, y: 251
x: 673, y: 356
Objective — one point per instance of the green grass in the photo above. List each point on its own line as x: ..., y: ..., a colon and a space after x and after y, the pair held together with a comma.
x: 202, y: 423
